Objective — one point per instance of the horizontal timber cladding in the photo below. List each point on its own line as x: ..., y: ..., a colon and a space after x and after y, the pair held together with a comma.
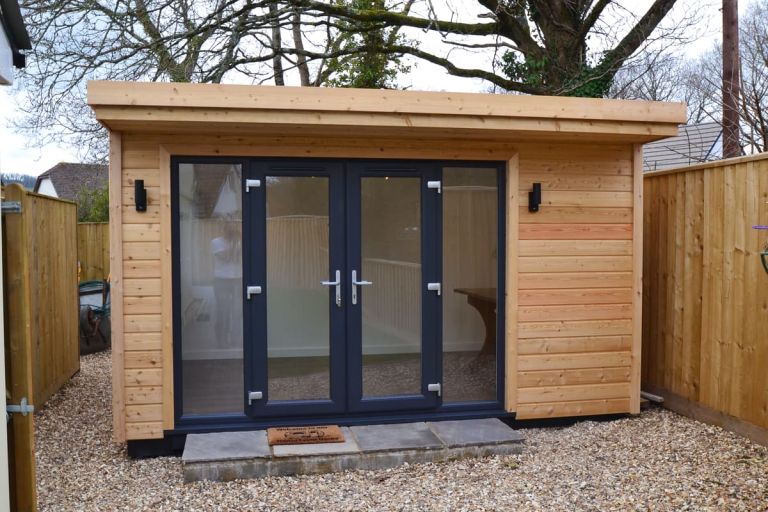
x: 577, y: 297
x: 575, y: 259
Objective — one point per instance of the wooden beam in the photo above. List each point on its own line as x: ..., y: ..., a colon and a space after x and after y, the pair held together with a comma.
x: 166, y: 264
x: 637, y: 281
x: 313, y: 99
x: 511, y: 283
x: 116, y: 285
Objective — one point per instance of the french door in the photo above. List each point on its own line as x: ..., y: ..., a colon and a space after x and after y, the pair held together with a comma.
x: 341, y: 277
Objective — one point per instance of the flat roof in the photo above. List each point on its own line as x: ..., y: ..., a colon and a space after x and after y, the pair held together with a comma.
x: 169, y: 107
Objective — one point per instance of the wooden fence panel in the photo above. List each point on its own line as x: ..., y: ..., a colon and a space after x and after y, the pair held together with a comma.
x: 45, y: 281
x: 705, y: 294
x: 93, y: 250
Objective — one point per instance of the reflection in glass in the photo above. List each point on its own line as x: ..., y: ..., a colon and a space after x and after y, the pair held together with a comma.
x: 298, y: 328
x: 210, y: 263
x: 391, y: 306
x: 470, y: 250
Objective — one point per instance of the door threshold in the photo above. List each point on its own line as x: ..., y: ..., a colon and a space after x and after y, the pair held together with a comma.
x: 207, y: 425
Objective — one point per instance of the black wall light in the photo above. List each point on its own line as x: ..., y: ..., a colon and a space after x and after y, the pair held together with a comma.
x: 140, y: 196
x: 534, y: 198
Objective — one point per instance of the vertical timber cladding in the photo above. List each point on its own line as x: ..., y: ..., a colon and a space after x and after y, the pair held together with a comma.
x: 577, y: 289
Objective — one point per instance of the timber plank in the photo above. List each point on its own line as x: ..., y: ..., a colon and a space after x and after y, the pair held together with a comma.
x: 143, y: 395
x: 574, y: 345
x: 559, y: 329
x: 573, y: 392
x: 145, y: 287
x: 574, y: 312
x: 575, y: 296
x: 575, y: 263
x: 577, y: 408
x: 575, y: 247
x: 143, y: 377
x: 571, y: 231
x: 574, y: 214
x: 541, y: 378
x: 143, y: 359
x: 144, y: 430
x: 573, y: 361
x: 571, y: 280
x: 142, y: 323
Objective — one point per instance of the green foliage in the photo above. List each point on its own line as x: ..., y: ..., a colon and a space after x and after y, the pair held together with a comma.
x: 587, y: 81
x: 93, y: 205
x: 372, y: 67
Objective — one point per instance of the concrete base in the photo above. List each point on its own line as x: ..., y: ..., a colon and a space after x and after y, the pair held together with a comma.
x: 243, y: 455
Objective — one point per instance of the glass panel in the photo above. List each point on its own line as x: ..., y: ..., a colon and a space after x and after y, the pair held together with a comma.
x: 470, y: 245
x: 210, y: 253
x: 391, y: 306
x: 298, y: 306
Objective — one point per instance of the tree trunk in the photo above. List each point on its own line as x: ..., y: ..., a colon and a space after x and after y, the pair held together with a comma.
x: 277, y: 45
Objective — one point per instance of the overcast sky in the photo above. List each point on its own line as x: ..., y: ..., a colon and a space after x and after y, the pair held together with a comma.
x: 17, y: 156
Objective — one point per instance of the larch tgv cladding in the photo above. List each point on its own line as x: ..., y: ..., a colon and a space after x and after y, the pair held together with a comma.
x: 577, y: 288
x: 143, y: 285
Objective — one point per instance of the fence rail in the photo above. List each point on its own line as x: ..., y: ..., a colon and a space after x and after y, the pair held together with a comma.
x: 93, y: 250
x: 705, y: 293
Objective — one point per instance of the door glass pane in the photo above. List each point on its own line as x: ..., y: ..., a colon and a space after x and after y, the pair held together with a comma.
x: 391, y: 306
x: 298, y: 306
x: 210, y: 264
x: 470, y: 245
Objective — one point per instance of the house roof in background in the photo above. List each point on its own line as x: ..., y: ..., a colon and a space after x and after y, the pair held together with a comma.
x: 69, y: 178
x: 695, y: 144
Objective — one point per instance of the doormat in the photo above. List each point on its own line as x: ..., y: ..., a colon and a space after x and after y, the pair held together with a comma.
x: 305, y: 435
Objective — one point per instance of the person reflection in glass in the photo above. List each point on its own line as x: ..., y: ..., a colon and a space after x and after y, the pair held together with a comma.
x: 227, y: 272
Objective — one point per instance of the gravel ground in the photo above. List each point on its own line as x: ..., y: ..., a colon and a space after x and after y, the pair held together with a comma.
x: 658, y: 461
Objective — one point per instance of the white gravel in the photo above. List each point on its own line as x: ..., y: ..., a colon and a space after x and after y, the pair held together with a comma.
x: 658, y: 461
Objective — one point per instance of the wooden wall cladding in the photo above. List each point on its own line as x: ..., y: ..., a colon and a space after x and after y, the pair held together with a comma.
x: 705, y: 293
x: 577, y: 269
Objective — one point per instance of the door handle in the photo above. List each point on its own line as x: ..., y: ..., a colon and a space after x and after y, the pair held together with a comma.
x: 355, y: 284
x: 337, y: 284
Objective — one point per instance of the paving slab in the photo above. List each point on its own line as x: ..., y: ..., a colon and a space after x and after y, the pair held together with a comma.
x: 242, y: 455
x: 398, y: 436
x: 225, y: 446
x: 308, y: 450
x: 474, y: 432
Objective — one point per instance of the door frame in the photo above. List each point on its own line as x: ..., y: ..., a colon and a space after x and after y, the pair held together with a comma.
x: 240, y: 421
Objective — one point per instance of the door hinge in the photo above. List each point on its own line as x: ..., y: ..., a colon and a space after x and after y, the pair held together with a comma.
x: 249, y: 184
x: 254, y: 395
x: 23, y: 408
x: 435, y: 287
x: 11, y: 207
x: 437, y: 388
x: 436, y: 184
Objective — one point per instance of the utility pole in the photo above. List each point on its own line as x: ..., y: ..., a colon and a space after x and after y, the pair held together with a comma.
x: 731, y: 79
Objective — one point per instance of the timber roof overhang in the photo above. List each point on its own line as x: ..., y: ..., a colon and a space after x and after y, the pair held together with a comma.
x: 327, y: 112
